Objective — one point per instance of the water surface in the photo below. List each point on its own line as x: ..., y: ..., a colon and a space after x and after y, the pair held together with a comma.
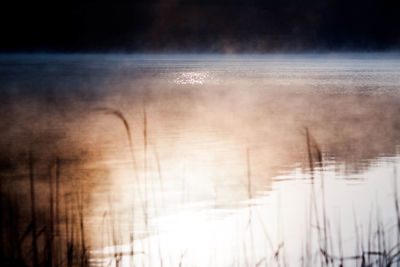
x: 218, y: 172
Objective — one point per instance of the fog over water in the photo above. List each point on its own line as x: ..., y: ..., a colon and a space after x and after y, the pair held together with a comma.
x: 216, y: 140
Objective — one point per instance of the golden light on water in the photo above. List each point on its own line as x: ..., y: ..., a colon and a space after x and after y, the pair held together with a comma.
x: 191, y: 77
x: 188, y: 194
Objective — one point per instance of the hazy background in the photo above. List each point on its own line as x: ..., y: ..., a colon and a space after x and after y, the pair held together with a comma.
x: 199, y: 26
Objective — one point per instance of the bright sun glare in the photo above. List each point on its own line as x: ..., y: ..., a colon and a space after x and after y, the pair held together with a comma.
x: 191, y: 77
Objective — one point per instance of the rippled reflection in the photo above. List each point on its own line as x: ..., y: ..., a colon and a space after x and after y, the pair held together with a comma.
x: 191, y: 77
x: 217, y: 173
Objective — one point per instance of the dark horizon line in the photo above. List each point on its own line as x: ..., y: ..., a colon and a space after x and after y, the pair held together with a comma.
x: 394, y: 49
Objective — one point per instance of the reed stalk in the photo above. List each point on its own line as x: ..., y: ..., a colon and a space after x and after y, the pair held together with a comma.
x: 33, y: 210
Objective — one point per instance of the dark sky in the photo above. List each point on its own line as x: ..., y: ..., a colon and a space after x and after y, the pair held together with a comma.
x: 199, y: 25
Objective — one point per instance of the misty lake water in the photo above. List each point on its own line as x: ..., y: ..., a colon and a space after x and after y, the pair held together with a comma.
x: 218, y: 170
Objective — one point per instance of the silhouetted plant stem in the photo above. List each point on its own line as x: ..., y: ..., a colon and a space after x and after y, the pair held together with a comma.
x: 145, y: 164
x: 324, y: 217
x: 313, y: 194
x: 58, y: 170
x: 51, y: 219
x: 33, y: 209
x: 396, y: 204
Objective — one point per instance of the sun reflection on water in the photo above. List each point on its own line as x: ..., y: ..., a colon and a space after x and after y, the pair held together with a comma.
x: 192, y: 77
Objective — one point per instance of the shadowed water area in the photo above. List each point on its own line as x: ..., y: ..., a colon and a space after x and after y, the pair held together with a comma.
x: 202, y: 160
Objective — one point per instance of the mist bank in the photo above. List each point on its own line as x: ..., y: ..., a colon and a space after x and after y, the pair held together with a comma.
x: 200, y: 26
